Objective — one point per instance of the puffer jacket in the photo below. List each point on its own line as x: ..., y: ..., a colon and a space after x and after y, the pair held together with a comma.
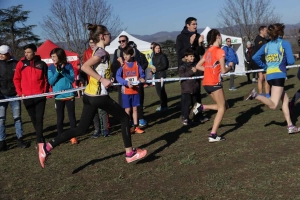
x: 7, y: 70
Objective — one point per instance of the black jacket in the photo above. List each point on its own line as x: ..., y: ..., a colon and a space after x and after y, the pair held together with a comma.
x: 138, y: 56
x: 160, y: 62
x: 183, y: 43
x: 258, y: 43
x: 189, y: 86
x: 7, y: 70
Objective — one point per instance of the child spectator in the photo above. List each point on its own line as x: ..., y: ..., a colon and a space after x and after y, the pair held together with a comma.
x: 130, y: 72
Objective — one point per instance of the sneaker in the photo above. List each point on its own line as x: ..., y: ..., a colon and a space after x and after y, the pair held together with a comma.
x: 106, y: 133
x: 158, y: 109
x: 96, y: 134
x: 251, y: 94
x: 139, y: 154
x: 43, y: 153
x: 3, y: 145
x: 74, y: 141
x: 185, y: 122
x: 22, y: 144
x: 232, y: 89
x: 254, y: 80
x: 215, y: 138
x: 204, y: 119
x: 195, y: 110
x: 138, y: 130
x: 142, y: 122
x: 293, y: 129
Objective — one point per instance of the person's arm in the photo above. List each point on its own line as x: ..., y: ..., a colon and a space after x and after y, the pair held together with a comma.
x: 68, y: 73
x: 119, y: 77
x: 257, y: 57
x: 288, y: 52
x: 17, y: 78
x: 179, y: 49
x: 227, y: 57
x: 144, y: 62
x: 52, y: 77
x: 199, y: 65
x: 141, y: 72
x: 163, y: 65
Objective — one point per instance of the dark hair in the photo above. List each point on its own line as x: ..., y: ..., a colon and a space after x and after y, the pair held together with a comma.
x: 61, y: 54
x: 189, y: 52
x: 30, y: 46
x: 128, y: 50
x: 227, y: 39
x: 189, y: 20
x: 212, y: 36
x: 125, y: 36
x: 132, y: 44
x: 261, y: 28
x: 95, y: 31
x: 155, y: 45
x: 275, y: 30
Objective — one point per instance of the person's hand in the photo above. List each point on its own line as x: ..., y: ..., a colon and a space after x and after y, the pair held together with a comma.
x: 129, y: 84
x: 120, y: 59
x: 153, y: 69
x: 192, y: 38
x: 142, y: 80
x: 112, y: 79
x: 194, y: 69
x: 106, y: 82
x: 230, y: 64
x: 201, y: 39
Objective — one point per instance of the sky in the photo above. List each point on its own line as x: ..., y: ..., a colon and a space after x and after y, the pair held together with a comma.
x: 151, y: 16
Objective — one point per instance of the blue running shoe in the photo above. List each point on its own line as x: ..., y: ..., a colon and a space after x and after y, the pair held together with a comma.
x: 142, y: 122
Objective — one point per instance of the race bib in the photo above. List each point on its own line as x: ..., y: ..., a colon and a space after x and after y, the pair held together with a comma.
x: 132, y: 79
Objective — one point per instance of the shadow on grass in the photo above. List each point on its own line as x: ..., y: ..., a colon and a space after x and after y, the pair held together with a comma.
x: 243, y: 84
x: 243, y: 118
x: 290, y: 86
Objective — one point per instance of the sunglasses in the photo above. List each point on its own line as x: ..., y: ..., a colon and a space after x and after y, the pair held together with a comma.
x: 122, y: 41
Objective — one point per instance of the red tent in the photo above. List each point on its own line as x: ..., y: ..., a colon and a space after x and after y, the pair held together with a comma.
x: 45, y: 49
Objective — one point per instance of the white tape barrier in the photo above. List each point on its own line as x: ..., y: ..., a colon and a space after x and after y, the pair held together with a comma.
x: 162, y: 80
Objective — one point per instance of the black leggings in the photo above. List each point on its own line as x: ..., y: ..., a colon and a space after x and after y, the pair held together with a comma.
x: 60, y: 112
x: 36, y: 108
x: 90, y: 106
x: 188, y: 100
x: 161, y: 92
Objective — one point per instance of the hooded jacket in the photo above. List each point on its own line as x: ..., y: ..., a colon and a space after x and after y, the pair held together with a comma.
x: 183, y: 43
x: 160, y: 61
x: 188, y: 86
x: 7, y: 70
x: 31, y: 76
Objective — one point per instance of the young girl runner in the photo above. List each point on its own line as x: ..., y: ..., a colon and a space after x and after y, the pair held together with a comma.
x: 96, y: 96
x: 213, y: 64
x: 61, y: 77
x: 278, y: 54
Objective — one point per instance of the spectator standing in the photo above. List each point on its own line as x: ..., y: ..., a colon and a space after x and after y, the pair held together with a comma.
x: 231, y: 60
x: 248, y: 62
x: 31, y: 78
x: 8, y: 90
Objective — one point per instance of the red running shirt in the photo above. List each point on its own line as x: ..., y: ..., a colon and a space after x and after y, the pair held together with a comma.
x: 212, y: 68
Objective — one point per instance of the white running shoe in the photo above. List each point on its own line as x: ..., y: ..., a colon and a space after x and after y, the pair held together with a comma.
x: 195, y: 110
x: 215, y: 138
x: 251, y: 94
x: 293, y: 129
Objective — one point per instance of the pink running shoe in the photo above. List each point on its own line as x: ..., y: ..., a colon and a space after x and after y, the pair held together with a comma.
x: 139, y: 154
x: 43, y: 154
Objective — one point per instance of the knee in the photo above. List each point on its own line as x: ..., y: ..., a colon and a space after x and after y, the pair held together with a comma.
x: 273, y: 107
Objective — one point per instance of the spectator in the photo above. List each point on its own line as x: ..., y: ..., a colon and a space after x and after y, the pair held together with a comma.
x: 231, y: 61
x: 118, y: 62
x: 160, y: 65
x: 31, y: 78
x: 260, y: 40
x: 8, y: 90
x: 61, y: 77
x: 248, y: 62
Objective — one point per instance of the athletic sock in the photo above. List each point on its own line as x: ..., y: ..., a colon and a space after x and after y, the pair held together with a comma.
x: 48, y: 147
x: 213, y: 134
x: 131, y: 153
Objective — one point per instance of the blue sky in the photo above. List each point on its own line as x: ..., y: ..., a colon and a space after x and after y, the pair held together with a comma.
x: 148, y: 17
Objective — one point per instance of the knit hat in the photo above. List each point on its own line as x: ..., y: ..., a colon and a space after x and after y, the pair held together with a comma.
x: 4, y: 49
x: 248, y: 43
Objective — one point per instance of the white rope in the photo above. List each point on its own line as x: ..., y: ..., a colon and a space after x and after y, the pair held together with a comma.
x: 162, y: 80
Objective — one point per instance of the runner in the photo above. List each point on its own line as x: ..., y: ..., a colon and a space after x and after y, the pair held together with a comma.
x: 213, y: 64
x: 96, y: 96
x: 278, y: 53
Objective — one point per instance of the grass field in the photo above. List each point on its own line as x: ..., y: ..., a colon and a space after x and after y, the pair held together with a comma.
x: 259, y: 159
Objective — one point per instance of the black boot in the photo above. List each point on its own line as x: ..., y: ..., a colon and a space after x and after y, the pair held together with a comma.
x: 3, y: 146
x: 22, y: 144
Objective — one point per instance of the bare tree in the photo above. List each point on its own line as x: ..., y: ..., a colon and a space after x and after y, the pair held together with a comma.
x: 293, y: 35
x: 67, y: 22
x: 243, y: 17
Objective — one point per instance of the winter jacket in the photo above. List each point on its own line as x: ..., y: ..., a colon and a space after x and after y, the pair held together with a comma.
x: 61, y: 80
x: 248, y: 54
x: 137, y: 57
x: 31, y: 76
x: 258, y: 43
x: 191, y: 86
x: 160, y: 62
x: 183, y: 43
x: 230, y: 55
x: 7, y: 70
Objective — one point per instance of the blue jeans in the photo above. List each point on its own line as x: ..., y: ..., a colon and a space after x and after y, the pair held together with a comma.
x: 16, y: 111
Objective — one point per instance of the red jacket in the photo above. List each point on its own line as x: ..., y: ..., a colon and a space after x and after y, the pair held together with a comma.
x: 31, y: 77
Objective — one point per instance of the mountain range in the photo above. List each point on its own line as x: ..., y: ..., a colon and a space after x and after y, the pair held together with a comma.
x: 165, y: 35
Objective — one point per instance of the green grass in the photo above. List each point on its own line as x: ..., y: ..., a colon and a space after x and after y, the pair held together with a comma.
x: 259, y: 160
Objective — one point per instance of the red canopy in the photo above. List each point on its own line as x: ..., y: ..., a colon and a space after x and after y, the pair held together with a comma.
x: 45, y: 49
